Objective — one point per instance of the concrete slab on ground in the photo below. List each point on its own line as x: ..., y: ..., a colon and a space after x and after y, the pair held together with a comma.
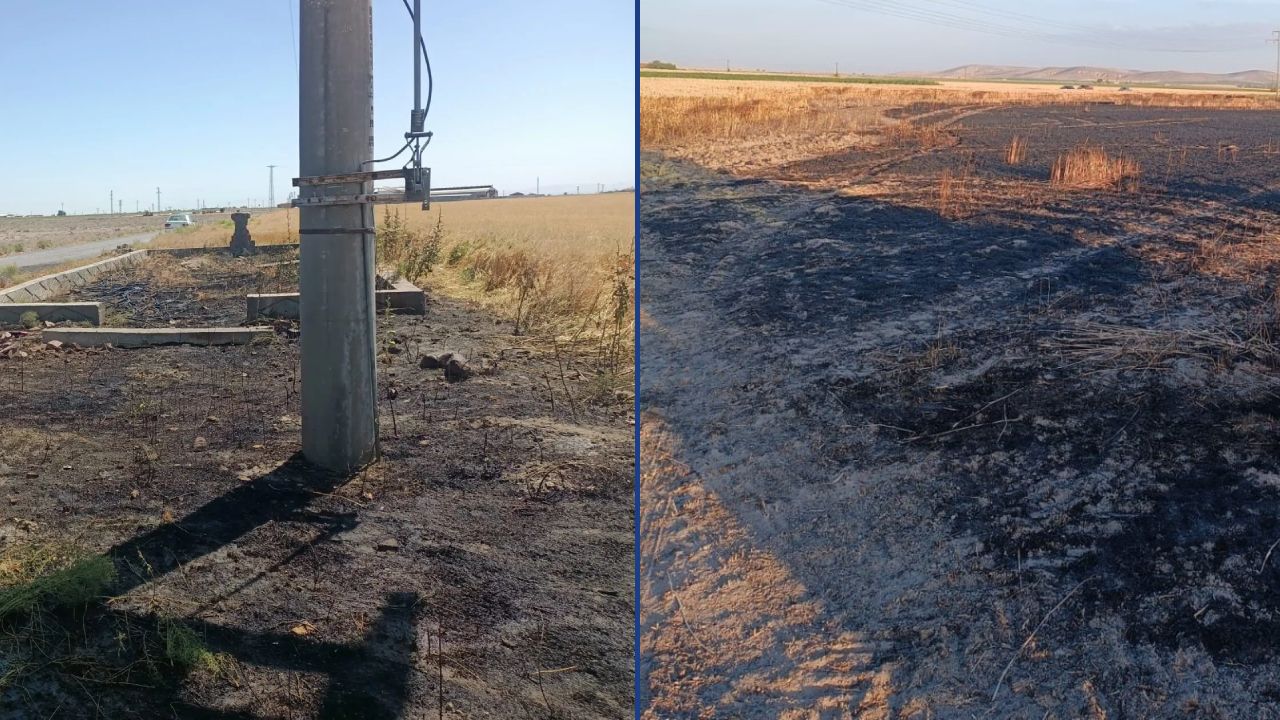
x: 150, y: 337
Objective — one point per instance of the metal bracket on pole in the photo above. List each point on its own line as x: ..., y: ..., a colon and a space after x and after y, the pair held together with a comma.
x: 417, y: 187
x: 337, y: 231
x: 321, y: 200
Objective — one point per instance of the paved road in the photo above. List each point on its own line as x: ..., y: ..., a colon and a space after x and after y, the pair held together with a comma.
x: 55, y: 256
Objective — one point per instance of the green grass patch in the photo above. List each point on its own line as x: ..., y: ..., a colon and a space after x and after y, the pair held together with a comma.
x: 184, y: 650
x: 51, y: 579
x: 782, y: 77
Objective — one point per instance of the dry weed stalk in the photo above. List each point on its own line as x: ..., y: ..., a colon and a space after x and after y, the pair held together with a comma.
x: 947, y: 183
x: 1017, y: 151
x: 1088, y: 166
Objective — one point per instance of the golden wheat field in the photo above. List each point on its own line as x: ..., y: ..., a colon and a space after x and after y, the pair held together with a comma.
x: 562, y: 263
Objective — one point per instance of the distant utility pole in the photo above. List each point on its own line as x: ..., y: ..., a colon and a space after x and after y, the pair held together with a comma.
x: 337, y: 314
x: 157, y: 199
x: 837, y: 69
x: 111, y: 205
x: 271, y: 186
x: 538, y: 186
x: 1276, y: 40
x: 137, y: 206
x: 121, y: 206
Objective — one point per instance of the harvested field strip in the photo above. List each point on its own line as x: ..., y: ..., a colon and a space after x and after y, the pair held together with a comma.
x: 780, y: 77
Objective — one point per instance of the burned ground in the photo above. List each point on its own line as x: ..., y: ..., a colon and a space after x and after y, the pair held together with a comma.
x: 196, y: 290
x: 1023, y: 457
x: 481, y: 569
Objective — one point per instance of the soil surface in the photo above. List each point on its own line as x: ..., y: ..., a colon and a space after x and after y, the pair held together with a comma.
x: 1013, y: 460
x: 481, y: 569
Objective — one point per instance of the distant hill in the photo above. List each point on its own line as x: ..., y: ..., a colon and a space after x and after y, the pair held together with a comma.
x: 1086, y: 73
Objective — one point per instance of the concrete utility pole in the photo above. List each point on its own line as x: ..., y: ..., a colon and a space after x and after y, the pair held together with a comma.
x: 1276, y: 40
x: 271, y: 185
x: 157, y: 200
x: 111, y: 206
x: 335, y: 123
x: 120, y: 207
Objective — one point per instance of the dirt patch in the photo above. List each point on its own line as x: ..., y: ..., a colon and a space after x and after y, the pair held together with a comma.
x: 484, y: 562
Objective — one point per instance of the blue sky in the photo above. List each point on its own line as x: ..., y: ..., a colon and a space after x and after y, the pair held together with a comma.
x: 198, y: 98
x: 871, y: 36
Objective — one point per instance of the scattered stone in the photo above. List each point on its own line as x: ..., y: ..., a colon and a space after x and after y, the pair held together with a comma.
x: 456, y: 369
x: 32, y: 474
x: 388, y: 545
x: 55, y: 344
x: 200, y: 444
x: 394, y: 349
x: 13, y: 499
x: 213, y: 420
x: 434, y: 362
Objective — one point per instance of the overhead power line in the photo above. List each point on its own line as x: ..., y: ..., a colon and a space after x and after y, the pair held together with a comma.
x: 1011, y: 24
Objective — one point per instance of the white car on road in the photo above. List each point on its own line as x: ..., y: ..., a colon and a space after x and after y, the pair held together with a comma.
x: 178, y: 220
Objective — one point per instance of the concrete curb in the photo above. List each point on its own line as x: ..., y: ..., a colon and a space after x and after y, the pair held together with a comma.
x: 273, y: 305
x: 258, y: 250
x: 402, y: 296
x: 91, y: 312
x: 150, y: 337
x: 43, y: 288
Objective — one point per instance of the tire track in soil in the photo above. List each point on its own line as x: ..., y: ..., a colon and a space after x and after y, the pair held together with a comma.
x: 857, y: 173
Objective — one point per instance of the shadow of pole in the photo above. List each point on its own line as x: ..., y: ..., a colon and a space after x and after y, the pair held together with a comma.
x: 368, y: 681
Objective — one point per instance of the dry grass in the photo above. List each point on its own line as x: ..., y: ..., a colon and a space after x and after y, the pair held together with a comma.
x: 673, y: 120
x: 1088, y: 166
x: 958, y: 94
x: 1152, y: 349
x: 912, y: 136
x: 560, y: 265
x: 679, y: 112
x: 1016, y: 153
x: 1245, y: 254
x: 947, y: 194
